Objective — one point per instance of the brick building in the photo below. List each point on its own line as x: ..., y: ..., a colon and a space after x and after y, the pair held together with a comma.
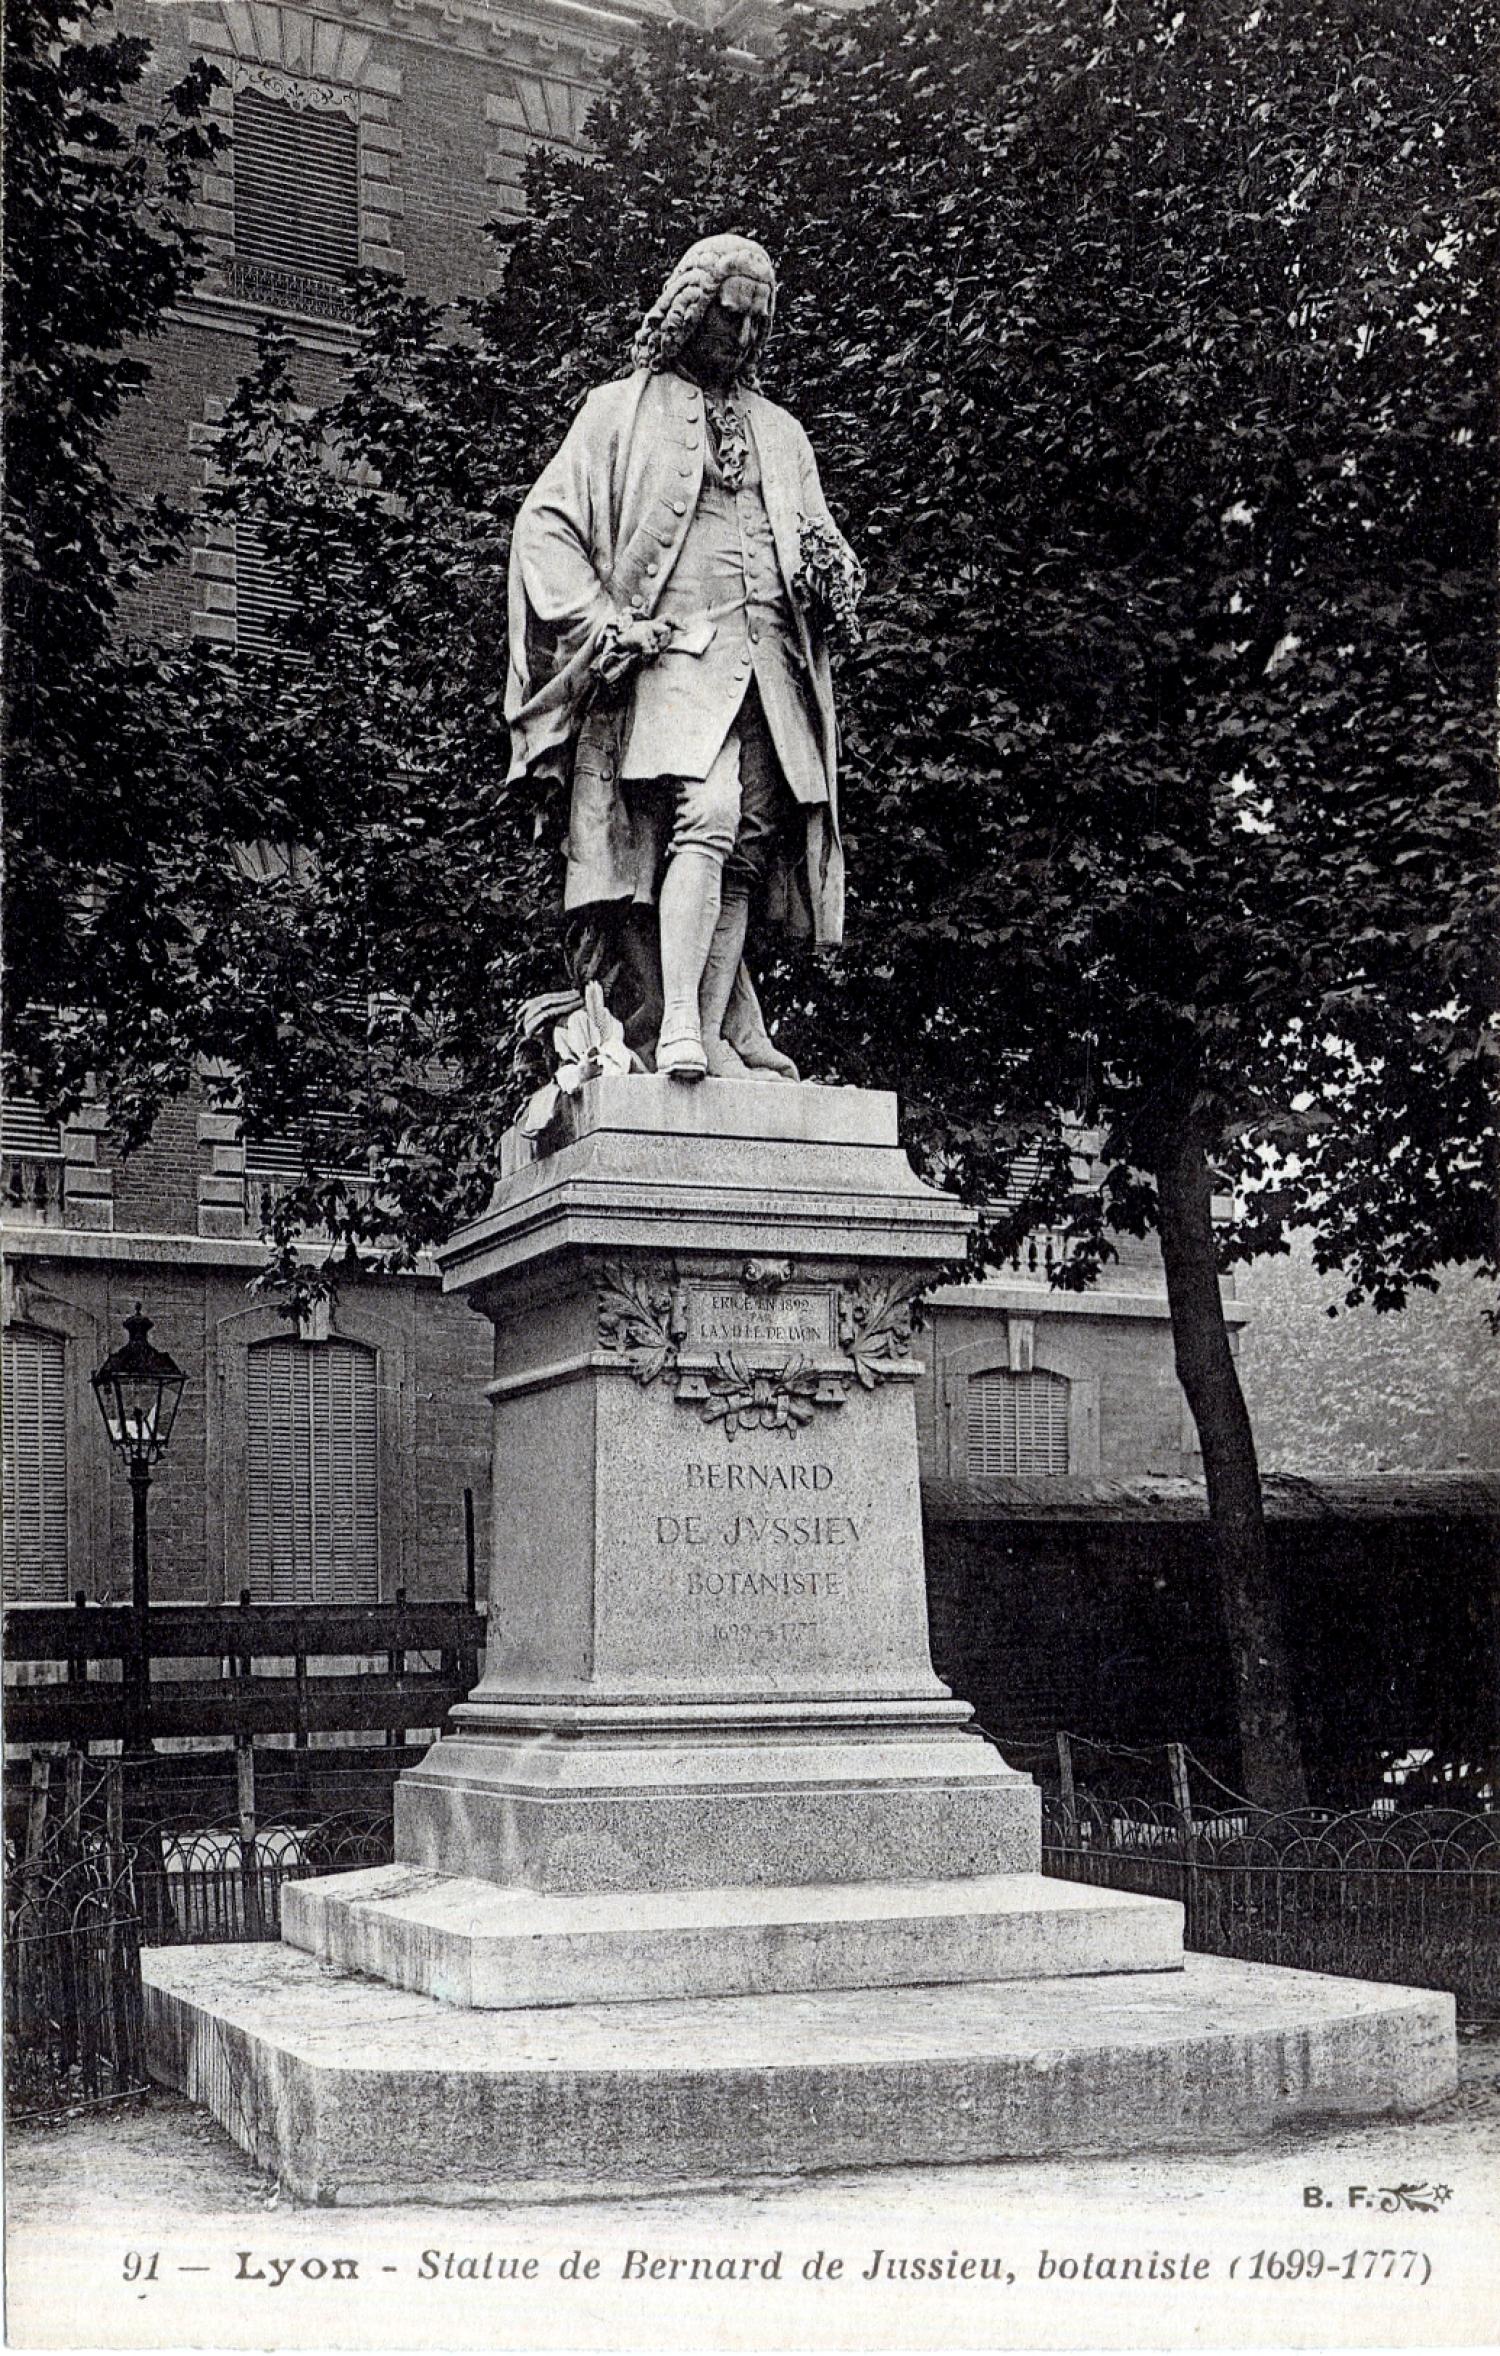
x: 332, y: 1464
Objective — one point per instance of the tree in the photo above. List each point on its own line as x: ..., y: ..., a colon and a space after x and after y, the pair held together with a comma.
x: 1423, y: 1398
x: 98, y: 248
x: 1213, y: 840
x: 1147, y: 360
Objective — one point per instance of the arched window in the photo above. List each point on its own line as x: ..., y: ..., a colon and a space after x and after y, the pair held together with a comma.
x: 35, y: 1451
x: 312, y: 1472
x: 1018, y: 1423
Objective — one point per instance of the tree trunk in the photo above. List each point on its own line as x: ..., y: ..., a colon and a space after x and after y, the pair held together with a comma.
x: 1270, y: 1746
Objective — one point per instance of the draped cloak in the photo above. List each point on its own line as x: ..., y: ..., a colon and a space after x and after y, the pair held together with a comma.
x: 595, y: 542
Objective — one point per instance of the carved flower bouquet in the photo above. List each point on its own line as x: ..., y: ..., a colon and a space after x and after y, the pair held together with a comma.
x: 830, y: 582
x: 587, y: 1045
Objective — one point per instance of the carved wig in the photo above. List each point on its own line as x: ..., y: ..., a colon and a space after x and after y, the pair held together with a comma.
x: 694, y: 286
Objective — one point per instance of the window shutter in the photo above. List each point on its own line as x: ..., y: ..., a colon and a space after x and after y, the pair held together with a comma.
x: 1025, y: 1176
x: 1018, y: 1423
x: 313, y: 1473
x: 344, y: 1473
x: 25, y: 1128
x: 261, y: 595
x: 282, y: 1156
x: 296, y: 193
x: 35, y: 1498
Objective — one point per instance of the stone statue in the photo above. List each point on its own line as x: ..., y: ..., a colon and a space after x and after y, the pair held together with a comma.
x: 675, y: 580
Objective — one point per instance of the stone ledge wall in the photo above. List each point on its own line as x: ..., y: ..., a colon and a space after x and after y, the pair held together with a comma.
x: 1094, y: 1611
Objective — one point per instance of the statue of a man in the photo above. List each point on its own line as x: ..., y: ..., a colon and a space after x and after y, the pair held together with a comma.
x: 669, y: 660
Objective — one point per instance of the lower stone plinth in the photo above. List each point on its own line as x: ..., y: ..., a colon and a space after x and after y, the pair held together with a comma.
x: 351, y: 2091
x: 814, y: 1799
x: 468, y: 1942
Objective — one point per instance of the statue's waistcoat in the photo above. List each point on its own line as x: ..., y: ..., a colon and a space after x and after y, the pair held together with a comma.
x: 726, y: 577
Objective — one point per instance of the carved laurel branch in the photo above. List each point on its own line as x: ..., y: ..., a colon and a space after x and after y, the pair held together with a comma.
x: 642, y: 1314
x: 643, y: 1317
x: 877, y: 1317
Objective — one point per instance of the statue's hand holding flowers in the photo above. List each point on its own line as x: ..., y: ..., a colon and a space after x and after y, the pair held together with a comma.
x: 589, y: 1045
x: 830, y: 581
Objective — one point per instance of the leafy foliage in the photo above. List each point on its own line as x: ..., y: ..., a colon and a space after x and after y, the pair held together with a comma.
x: 1147, y: 362
x: 97, y: 250
x: 1416, y: 1393
x: 1146, y: 353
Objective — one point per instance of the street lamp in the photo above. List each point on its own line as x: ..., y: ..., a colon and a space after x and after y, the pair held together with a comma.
x: 138, y: 1389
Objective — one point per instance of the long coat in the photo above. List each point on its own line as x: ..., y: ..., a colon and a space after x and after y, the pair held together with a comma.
x: 595, y: 542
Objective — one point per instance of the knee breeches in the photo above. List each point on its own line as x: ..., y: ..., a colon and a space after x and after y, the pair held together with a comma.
x: 736, y: 811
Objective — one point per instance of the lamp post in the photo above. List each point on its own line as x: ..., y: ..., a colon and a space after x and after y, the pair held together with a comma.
x: 138, y: 1389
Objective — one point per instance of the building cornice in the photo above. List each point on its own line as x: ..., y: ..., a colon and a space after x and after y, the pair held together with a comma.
x: 1039, y: 1299
x: 566, y: 37
x: 227, y: 1253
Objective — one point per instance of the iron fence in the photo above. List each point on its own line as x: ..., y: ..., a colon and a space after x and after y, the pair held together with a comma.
x: 215, y: 1883
x: 83, y: 1896
x: 72, y: 1984
x: 1411, y: 1897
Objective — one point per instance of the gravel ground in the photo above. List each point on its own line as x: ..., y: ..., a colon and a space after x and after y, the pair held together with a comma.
x: 86, y: 2192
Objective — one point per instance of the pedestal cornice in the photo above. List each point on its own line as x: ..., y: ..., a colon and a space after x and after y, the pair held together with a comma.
x: 724, y: 1167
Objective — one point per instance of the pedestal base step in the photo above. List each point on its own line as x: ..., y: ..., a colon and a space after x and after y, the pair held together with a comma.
x: 470, y: 1942
x: 355, y: 2092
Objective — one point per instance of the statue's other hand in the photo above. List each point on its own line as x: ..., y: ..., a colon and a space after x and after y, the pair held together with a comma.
x: 628, y: 647
x: 647, y: 639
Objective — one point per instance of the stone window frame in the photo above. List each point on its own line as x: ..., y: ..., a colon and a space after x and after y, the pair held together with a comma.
x: 313, y: 63
x: 66, y: 1187
x: 1049, y: 1354
x: 549, y: 87
x: 382, y: 1327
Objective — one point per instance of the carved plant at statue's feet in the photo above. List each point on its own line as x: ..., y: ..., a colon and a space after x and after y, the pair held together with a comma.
x: 588, y: 1045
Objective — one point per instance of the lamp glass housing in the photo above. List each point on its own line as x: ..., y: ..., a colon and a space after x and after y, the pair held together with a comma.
x: 138, y: 1389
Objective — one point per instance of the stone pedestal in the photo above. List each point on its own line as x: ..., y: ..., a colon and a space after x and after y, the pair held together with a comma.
x: 710, y: 1798
x: 711, y: 1662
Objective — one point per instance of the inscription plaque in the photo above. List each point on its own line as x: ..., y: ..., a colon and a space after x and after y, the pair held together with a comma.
x: 729, y: 1317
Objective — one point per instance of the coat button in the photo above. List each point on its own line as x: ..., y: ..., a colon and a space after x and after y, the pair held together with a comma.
x: 690, y: 441
x: 679, y: 507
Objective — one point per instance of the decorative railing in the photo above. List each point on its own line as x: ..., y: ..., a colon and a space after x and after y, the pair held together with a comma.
x: 1039, y: 1253
x: 85, y: 1888
x: 264, y: 1189
x: 278, y: 289
x: 1411, y: 1896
